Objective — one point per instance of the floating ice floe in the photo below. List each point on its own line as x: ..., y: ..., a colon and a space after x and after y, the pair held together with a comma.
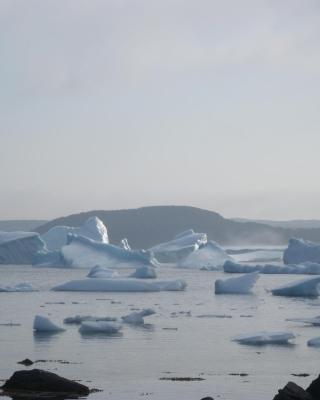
x: 315, y: 342
x: 19, y: 247
x: 258, y: 255
x: 120, y: 285
x: 137, y: 318
x: 209, y: 256
x: 179, y: 247
x: 300, y: 251
x: 101, y: 272
x: 99, y: 327
x: 92, y: 228
x: 43, y: 324
x: 145, y: 272
x: 78, y: 319
x: 20, y: 287
x: 239, y: 285
x: 264, y: 337
x: 214, y: 316
x: 311, y: 321
x: 302, y: 288
x: 307, y: 268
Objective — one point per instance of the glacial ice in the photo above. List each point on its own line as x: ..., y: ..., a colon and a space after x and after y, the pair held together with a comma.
x: 92, y: 228
x: 137, y: 318
x: 19, y: 247
x: 209, y: 256
x: 145, y: 272
x: 299, y: 251
x: 179, y: 247
x: 307, y: 268
x: 101, y: 272
x: 302, y: 288
x: 311, y: 321
x: 264, y: 337
x: 20, y: 287
x: 120, y: 285
x: 315, y: 342
x: 99, y: 327
x: 43, y: 324
x: 124, y: 244
x: 78, y: 319
x: 239, y: 285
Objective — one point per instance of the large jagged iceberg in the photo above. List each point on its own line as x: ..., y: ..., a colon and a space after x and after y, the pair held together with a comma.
x: 88, y: 327
x: 120, y: 285
x: 179, y: 247
x: 44, y: 325
x: 209, y: 256
x: 20, y: 287
x: 307, y: 268
x: 302, y: 288
x: 300, y: 251
x: 84, y: 252
x: 259, y: 338
x: 137, y: 317
x: 19, y: 247
x: 92, y: 228
x: 239, y: 285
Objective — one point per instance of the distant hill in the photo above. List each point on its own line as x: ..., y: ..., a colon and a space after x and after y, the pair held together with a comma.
x: 291, y: 224
x: 21, y: 225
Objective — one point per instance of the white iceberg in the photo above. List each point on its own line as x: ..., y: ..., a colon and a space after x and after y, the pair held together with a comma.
x: 124, y: 244
x: 20, y: 287
x: 19, y: 247
x: 137, y: 318
x: 99, y: 327
x: 259, y: 338
x: 209, y: 256
x: 78, y: 319
x: 43, y: 324
x: 307, y: 268
x: 302, y: 288
x: 315, y: 321
x: 299, y: 251
x: 92, y: 228
x: 101, y: 272
x: 120, y: 285
x: 180, y: 247
x: 239, y: 285
x: 315, y: 342
x: 145, y: 272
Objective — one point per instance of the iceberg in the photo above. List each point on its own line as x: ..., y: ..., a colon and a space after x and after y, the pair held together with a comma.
x: 101, y: 272
x: 43, y: 324
x: 99, y: 327
x: 209, y: 256
x: 120, y: 285
x: 180, y: 247
x: 137, y: 318
x: 93, y: 228
x: 19, y: 247
x: 239, y: 285
x: 21, y: 287
x: 302, y: 288
x: 78, y: 319
x: 307, y: 268
x: 259, y: 338
x: 299, y: 251
x: 124, y: 244
x: 315, y: 342
x: 145, y: 272
x: 311, y: 321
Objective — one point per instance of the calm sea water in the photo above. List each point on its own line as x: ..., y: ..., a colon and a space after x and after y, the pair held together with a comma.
x: 175, y: 343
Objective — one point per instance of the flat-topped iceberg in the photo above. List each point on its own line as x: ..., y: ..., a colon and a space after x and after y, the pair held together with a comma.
x: 92, y: 228
x: 78, y: 319
x: 120, y: 285
x: 302, y: 288
x: 137, y: 317
x: 100, y: 272
x: 19, y: 247
x: 44, y: 325
x: 179, y: 247
x: 20, y: 287
x: 300, y: 251
x: 239, y: 285
x: 209, y: 256
x: 99, y: 327
x: 264, y: 337
x: 145, y: 272
x: 307, y: 268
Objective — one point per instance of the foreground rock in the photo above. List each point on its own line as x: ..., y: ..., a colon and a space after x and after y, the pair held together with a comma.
x: 294, y: 392
x: 37, y: 380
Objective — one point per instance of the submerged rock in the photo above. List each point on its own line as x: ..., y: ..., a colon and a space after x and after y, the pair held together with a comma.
x: 292, y: 391
x: 25, y: 362
x: 38, y: 380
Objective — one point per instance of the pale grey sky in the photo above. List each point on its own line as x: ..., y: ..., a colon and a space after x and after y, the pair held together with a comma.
x: 119, y: 104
